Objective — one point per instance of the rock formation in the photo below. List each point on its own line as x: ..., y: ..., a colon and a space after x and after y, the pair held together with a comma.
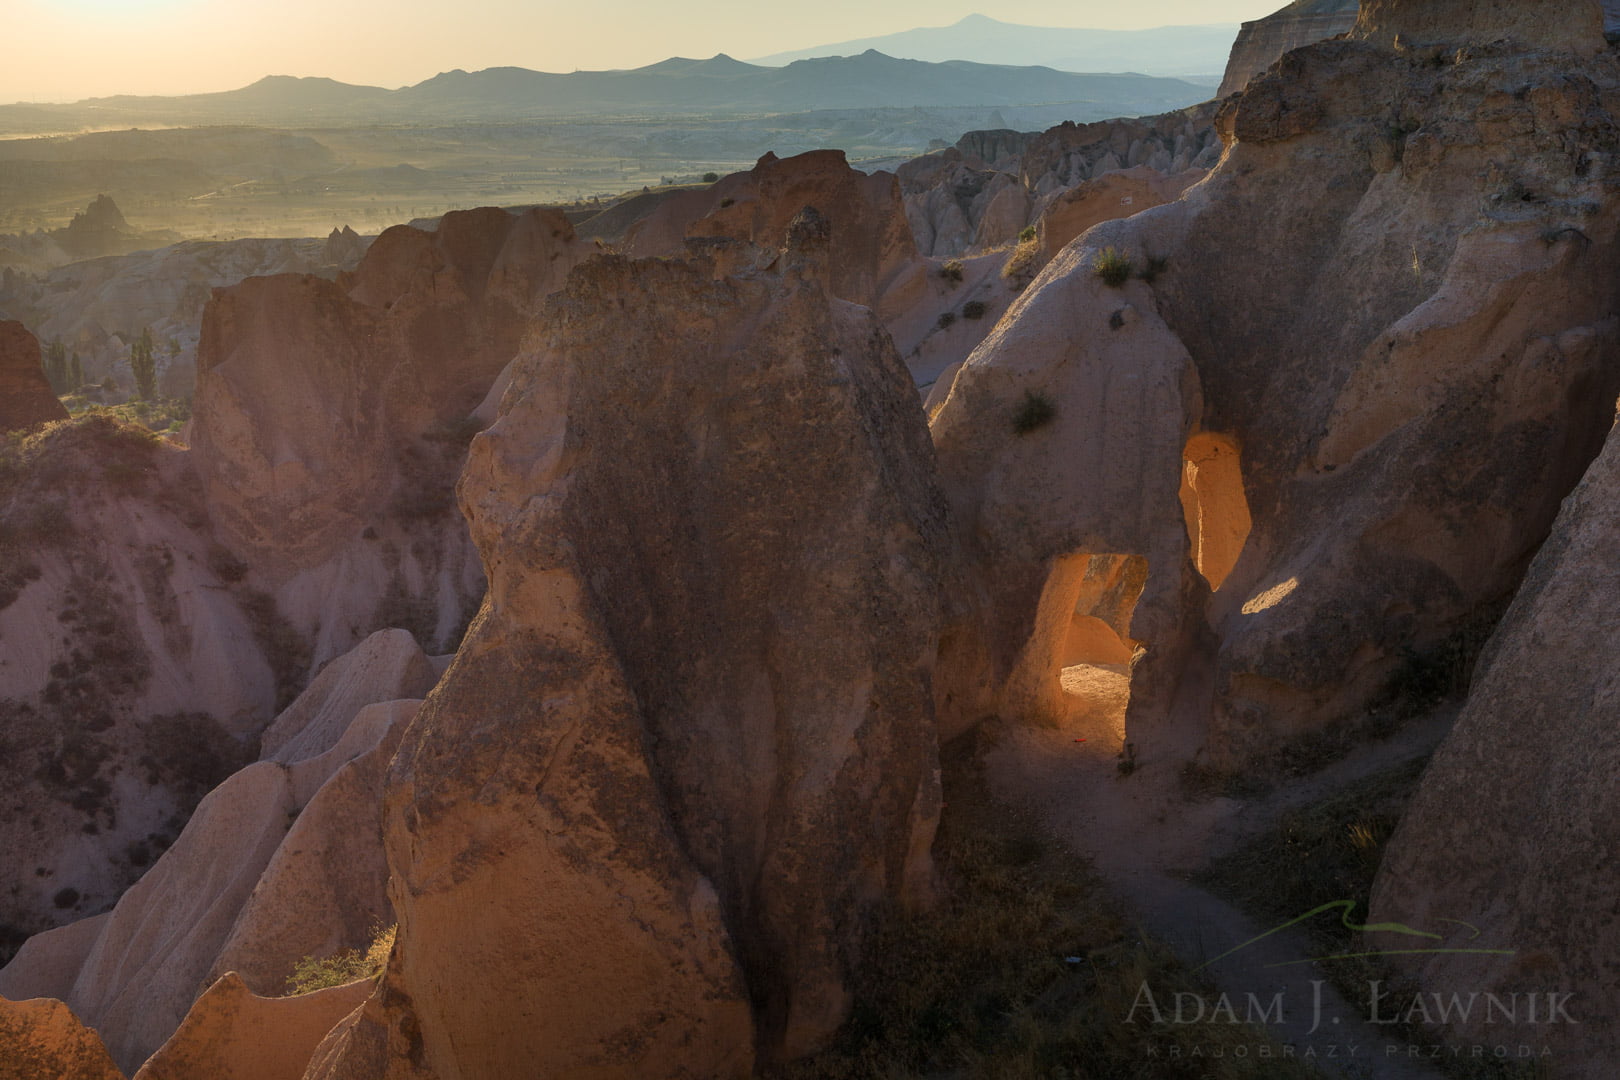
x: 1262, y: 42
x: 1513, y: 827
x: 26, y: 400
x: 95, y: 307
x: 283, y: 860
x: 871, y: 242
x: 197, y: 590
x: 41, y: 1038
x: 958, y: 199
x: 1442, y: 262
x: 231, y: 1033
x: 688, y: 741
x: 346, y: 516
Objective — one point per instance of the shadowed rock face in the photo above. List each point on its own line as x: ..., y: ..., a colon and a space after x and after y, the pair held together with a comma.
x: 1262, y: 42
x: 26, y: 399
x: 1515, y: 824
x: 1394, y: 290
x: 688, y: 742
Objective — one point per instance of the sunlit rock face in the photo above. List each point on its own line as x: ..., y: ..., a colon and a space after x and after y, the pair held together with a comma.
x: 1392, y: 294
x: 1262, y: 42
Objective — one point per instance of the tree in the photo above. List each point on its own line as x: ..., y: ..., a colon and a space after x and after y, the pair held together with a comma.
x: 75, y: 377
x: 709, y: 177
x: 143, y: 365
x: 56, y: 367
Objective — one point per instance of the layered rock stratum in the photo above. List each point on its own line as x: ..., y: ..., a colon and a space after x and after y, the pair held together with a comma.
x: 1262, y: 42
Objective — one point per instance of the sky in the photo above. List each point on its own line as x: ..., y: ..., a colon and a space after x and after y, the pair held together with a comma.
x: 64, y: 50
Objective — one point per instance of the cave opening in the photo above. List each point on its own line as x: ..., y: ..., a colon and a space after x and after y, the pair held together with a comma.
x: 1215, y: 506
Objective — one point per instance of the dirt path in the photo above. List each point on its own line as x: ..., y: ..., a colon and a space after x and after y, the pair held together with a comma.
x: 1145, y: 837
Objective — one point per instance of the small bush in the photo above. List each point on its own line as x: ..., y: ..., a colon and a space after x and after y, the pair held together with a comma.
x: 974, y: 309
x: 1020, y: 268
x: 1113, y: 266
x: 947, y: 319
x: 952, y: 271
x: 1036, y: 411
x: 709, y: 177
x: 728, y: 201
x: 311, y: 974
x: 1154, y: 267
x: 1026, y: 235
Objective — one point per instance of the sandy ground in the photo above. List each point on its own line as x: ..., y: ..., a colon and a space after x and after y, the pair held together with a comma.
x: 1146, y: 836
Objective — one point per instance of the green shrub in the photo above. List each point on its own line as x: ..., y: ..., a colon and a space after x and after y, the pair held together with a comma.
x: 1113, y: 266
x: 312, y: 973
x: 1026, y: 235
x: 709, y: 177
x: 952, y: 271
x: 974, y: 309
x: 1035, y: 411
x: 947, y: 319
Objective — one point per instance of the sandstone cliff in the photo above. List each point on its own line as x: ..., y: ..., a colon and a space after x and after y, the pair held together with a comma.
x: 26, y: 400
x: 1262, y: 42
x: 688, y: 742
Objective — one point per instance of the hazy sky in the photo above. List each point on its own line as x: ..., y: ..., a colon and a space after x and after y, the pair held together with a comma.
x: 62, y: 50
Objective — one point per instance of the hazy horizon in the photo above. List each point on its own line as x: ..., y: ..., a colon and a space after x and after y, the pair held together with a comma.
x: 98, y: 48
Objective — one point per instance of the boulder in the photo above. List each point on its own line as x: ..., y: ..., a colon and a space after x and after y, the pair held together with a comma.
x: 688, y: 746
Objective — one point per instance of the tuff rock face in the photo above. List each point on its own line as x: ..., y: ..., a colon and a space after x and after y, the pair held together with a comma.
x: 231, y: 1033
x: 40, y: 1038
x: 740, y: 221
x: 1262, y: 42
x: 689, y: 738
x: 281, y: 861
x: 1413, y: 365
x: 1527, y: 856
x: 96, y: 306
x: 346, y: 515
x: 26, y: 400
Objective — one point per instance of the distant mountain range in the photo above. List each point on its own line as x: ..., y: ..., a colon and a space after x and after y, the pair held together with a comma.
x: 677, y: 86
x: 1165, y: 50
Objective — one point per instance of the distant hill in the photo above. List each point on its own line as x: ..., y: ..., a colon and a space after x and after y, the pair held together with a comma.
x: 1165, y: 50
x: 723, y: 84
x: 678, y: 86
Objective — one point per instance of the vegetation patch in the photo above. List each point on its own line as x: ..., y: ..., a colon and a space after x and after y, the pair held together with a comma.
x: 1113, y: 267
x: 317, y: 973
x: 1020, y: 267
x: 1026, y: 969
x: 953, y: 271
x: 974, y: 309
x: 1034, y: 412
